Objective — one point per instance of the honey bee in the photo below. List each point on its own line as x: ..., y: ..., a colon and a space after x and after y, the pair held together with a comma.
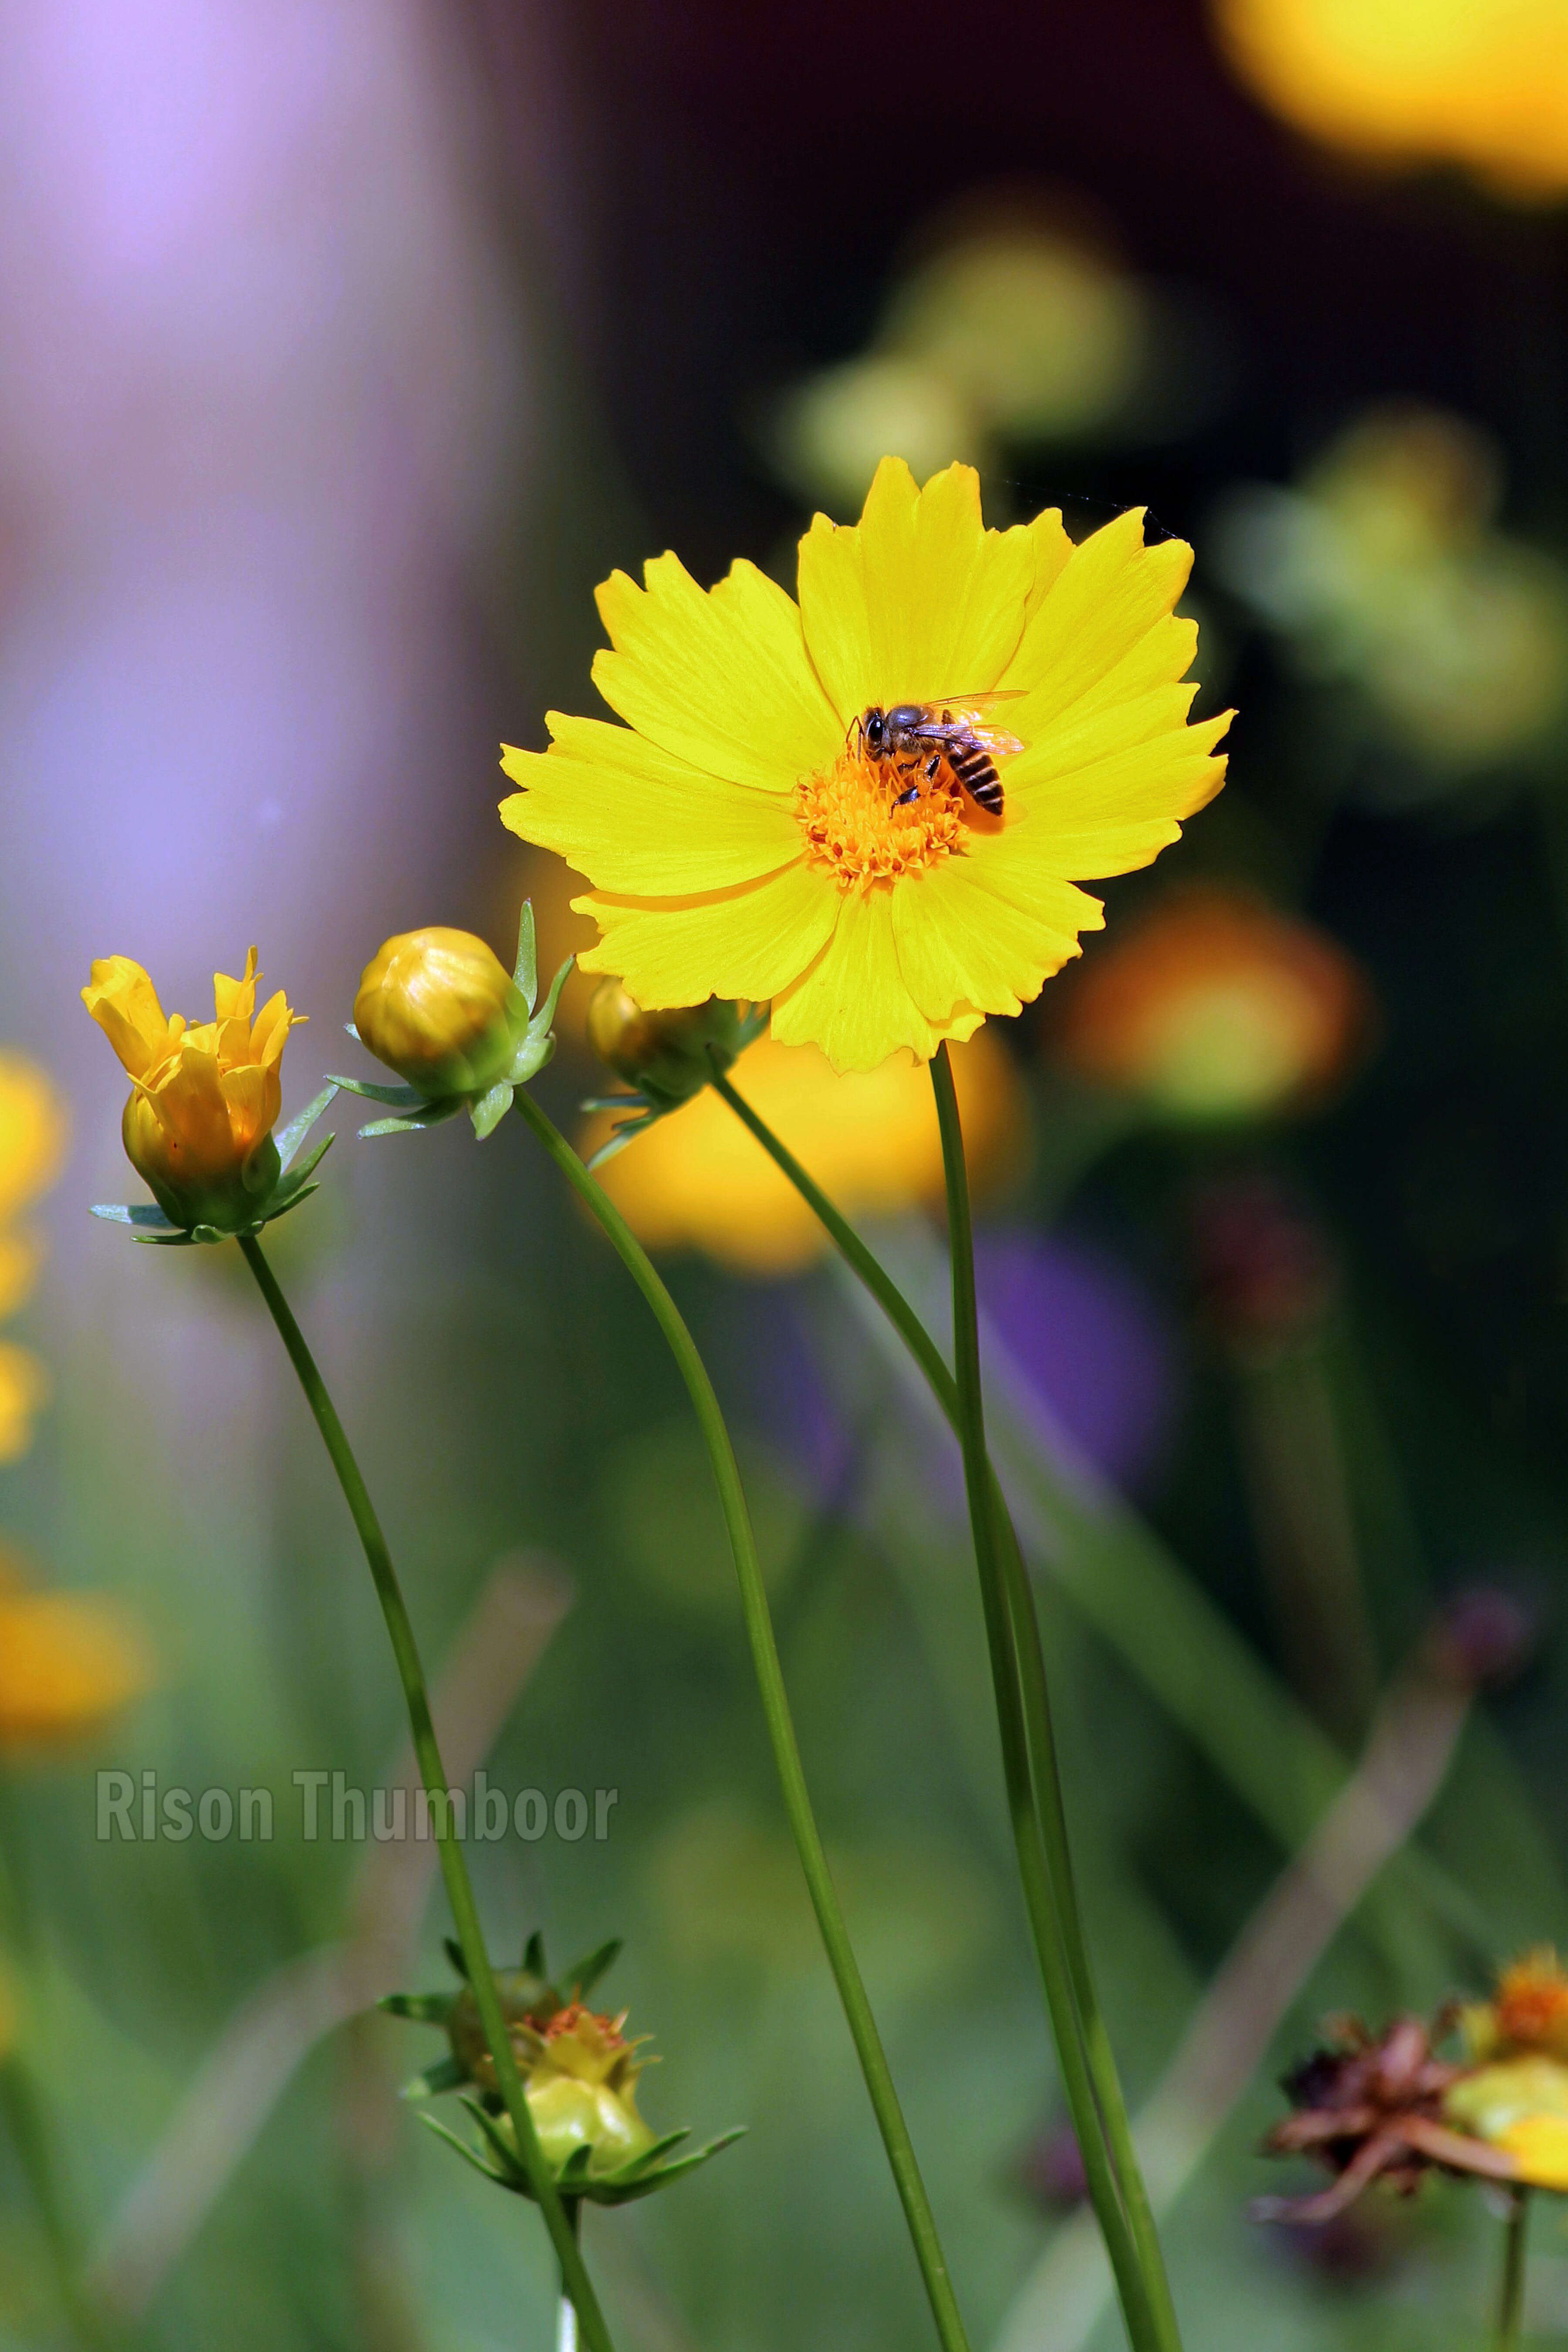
x: 918, y: 738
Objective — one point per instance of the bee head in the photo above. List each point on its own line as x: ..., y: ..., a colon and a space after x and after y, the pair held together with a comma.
x: 874, y: 729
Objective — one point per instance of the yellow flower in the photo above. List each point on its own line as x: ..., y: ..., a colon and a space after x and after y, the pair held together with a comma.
x: 582, y: 2089
x: 69, y: 1663
x: 1527, y: 2013
x: 32, y: 1145
x: 1216, y: 1008
x: 439, y: 1007
x: 1539, y: 2146
x: 1475, y: 83
x: 24, y: 1392
x: 699, y: 1179
x: 204, y: 1101
x: 739, y: 846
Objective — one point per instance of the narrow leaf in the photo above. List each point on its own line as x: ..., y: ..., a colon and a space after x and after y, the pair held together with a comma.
x: 400, y: 1097
x: 586, y: 1974
x: 442, y: 2074
x: 533, y: 1957
x: 487, y: 1113
x: 469, y: 2155
x: 291, y: 1137
x: 525, y: 974
x: 145, y: 1214
x: 545, y: 1018
x: 419, y: 2007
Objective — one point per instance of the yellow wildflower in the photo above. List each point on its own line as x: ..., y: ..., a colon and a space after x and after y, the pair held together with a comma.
x: 1216, y: 1008
x: 698, y: 1179
x: 1528, y: 2013
x: 581, y: 2087
x: 24, y: 1392
x: 69, y: 1663
x: 32, y: 1145
x: 739, y: 842
x: 1470, y: 81
x: 1539, y: 2146
x: 204, y: 1101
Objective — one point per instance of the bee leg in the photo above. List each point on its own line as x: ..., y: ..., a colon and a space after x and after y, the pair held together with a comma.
x: 933, y: 764
x: 902, y: 800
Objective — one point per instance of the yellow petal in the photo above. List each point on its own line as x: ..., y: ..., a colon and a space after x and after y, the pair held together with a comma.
x: 235, y: 999
x: 632, y: 818
x: 1113, y: 814
x: 253, y: 1097
x: 1111, y: 593
x: 854, y: 1002
x: 917, y: 600
x: 273, y: 1024
x: 24, y: 1392
x: 124, y: 1004
x: 749, y: 942
x: 963, y: 941
x: 68, y: 1661
x: 1539, y: 2145
x: 187, y: 1101
x: 720, y: 679
x: 1052, y: 550
x: 32, y: 1133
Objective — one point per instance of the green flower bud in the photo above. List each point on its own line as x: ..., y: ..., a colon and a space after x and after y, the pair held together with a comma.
x: 668, y: 1056
x: 440, y: 1008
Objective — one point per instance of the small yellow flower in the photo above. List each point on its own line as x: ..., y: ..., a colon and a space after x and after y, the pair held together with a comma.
x: 1539, y: 2146
x: 1471, y: 81
x: 1216, y: 1008
x: 69, y: 1663
x: 440, y: 1008
x: 582, y: 2089
x: 24, y: 1392
x: 1528, y: 2013
x: 740, y: 845
x: 204, y: 1101
x: 32, y: 1145
x: 698, y: 1179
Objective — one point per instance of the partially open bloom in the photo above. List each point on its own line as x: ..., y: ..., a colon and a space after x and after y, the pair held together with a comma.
x: 1527, y: 2013
x: 698, y: 1179
x: 582, y: 2089
x: 1469, y: 82
x: 70, y: 1662
x: 204, y: 1101
x: 1218, y: 1008
x: 743, y: 843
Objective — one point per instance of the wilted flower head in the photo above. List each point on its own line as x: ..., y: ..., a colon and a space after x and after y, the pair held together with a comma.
x: 204, y: 1100
x: 1216, y: 1008
x: 698, y: 1179
x: 1528, y: 2011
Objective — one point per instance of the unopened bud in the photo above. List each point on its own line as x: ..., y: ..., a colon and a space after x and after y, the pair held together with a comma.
x: 669, y: 1055
x: 440, y: 1008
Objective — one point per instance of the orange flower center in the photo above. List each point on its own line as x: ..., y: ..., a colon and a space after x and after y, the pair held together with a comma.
x: 855, y: 827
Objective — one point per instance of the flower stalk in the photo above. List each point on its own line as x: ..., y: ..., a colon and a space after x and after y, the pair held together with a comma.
x: 1510, y: 2286
x: 576, y: 2284
x: 874, y: 2067
x: 1089, y: 2068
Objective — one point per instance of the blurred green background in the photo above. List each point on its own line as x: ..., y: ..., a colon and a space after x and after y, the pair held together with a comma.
x: 347, y: 350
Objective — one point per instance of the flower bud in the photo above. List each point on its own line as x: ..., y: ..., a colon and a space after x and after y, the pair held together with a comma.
x: 668, y: 1055
x: 440, y: 1008
x: 198, y: 1126
x: 582, y: 2090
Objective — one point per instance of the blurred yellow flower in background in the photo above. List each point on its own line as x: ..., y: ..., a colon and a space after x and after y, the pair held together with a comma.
x: 32, y: 1146
x: 1529, y: 2011
x: 70, y: 1662
x: 740, y: 848
x: 1216, y: 1008
x: 204, y: 1101
x: 1481, y: 83
x: 698, y: 1179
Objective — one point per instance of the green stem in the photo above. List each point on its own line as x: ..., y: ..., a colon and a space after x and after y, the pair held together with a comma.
x: 781, y: 1729
x: 1044, y: 1856
x: 1510, y: 2287
x: 453, y: 1868
x: 30, y: 2136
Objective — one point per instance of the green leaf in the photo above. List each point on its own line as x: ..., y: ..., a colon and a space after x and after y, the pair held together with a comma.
x: 510, y: 2162
x: 525, y: 973
x: 293, y: 1178
x: 298, y: 1128
x: 279, y: 1208
x: 453, y: 1952
x: 652, y: 2155
x: 469, y: 2155
x: 411, y: 1122
x: 575, y: 2171
x: 586, y: 1973
x: 442, y: 2074
x: 145, y: 1215
x: 400, y: 1097
x: 544, y: 1019
x: 487, y: 1113
x: 624, y: 1134
x: 419, y: 2007
x: 533, y: 1963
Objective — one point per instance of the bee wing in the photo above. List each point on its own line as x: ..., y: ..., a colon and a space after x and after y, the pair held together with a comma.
x: 970, y: 705
x: 994, y: 739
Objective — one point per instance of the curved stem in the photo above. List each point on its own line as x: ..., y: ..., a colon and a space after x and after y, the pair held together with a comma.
x: 754, y: 1607
x: 1044, y: 1853
x: 453, y: 1868
x: 1510, y: 2287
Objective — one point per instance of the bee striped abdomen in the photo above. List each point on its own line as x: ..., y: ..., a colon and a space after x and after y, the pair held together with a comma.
x: 975, y: 770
